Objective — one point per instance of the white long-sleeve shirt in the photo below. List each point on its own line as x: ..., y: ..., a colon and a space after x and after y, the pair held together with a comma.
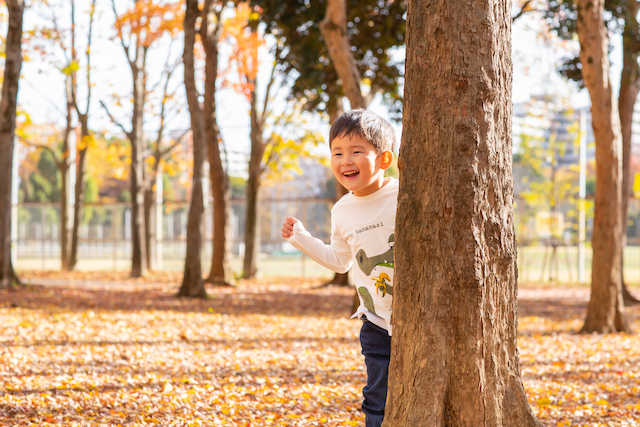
x: 362, y: 234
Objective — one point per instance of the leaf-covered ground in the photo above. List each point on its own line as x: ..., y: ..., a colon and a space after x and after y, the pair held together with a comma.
x: 100, y: 349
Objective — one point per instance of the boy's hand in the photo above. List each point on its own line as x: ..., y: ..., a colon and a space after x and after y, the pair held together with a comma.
x: 287, y: 227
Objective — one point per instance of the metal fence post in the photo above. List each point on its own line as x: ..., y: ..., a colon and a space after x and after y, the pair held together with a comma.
x: 159, y: 201
x: 583, y: 192
x: 15, y: 184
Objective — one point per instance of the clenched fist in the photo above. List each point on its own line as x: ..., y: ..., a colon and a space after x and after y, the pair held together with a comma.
x: 287, y: 227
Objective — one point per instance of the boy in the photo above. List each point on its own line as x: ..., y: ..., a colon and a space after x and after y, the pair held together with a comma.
x: 362, y: 232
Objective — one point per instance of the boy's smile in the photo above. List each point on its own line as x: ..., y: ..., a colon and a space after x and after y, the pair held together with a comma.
x: 357, y: 165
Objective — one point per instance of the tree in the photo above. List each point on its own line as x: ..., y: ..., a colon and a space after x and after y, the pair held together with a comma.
x: 606, y: 309
x: 621, y: 17
x: 192, y: 281
x: 86, y: 141
x: 547, y: 183
x: 454, y: 356
x: 334, y: 31
x: 272, y: 155
x: 160, y: 152
x: 204, y: 125
x: 317, y: 36
x: 221, y: 273
x: 137, y: 29
x: 245, y: 41
x: 8, y: 106
x: 375, y: 30
x: 65, y: 39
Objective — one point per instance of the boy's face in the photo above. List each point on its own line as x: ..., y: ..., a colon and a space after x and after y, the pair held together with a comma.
x: 357, y: 165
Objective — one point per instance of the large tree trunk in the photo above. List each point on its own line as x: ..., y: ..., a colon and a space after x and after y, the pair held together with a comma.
x: 334, y: 32
x: 8, y: 104
x: 192, y: 281
x: 606, y: 309
x: 629, y: 88
x: 454, y: 359
x: 252, y: 234
x: 221, y: 272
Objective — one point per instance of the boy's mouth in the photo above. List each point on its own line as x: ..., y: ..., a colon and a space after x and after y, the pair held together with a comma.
x: 350, y: 174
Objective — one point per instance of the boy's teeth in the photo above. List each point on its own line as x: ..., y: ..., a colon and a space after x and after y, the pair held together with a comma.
x: 350, y: 173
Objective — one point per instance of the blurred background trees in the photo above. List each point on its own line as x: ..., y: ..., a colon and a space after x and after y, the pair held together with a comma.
x: 110, y: 150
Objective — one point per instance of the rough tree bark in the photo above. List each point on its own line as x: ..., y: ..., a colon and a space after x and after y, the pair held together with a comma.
x: 8, y: 104
x: 221, y: 272
x: 629, y: 89
x: 454, y: 358
x: 192, y: 281
x: 606, y: 309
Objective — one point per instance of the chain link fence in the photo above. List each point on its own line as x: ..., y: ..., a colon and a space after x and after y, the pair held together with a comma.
x: 105, y: 240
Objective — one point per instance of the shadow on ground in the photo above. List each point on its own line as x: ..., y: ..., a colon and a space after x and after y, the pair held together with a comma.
x: 272, y: 296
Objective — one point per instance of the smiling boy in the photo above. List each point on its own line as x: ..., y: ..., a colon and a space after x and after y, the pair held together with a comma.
x: 362, y: 233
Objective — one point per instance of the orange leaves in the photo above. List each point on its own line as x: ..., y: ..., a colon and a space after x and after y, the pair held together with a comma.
x: 103, y: 349
x: 149, y: 20
x: 244, y: 41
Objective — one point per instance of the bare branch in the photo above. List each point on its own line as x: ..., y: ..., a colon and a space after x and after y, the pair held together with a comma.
x: 525, y: 9
x: 121, y: 36
x: 113, y: 120
x: 88, y: 53
x: 56, y: 157
x: 175, y: 143
x: 272, y: 78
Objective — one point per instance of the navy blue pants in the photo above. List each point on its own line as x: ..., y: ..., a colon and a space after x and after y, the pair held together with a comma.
x: 376, y: 348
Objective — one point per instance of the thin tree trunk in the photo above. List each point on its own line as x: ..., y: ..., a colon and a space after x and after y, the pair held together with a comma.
x: 8, y: 105
x: 81, y: 146
x: 252, y: 235
x: 192, y: 281
x: 64, y: 172
x: 629, y: 88
x: 149, y: 226
x: 138, y: 257
x: 606, y: 309
x: 78, y: 205
x: 221, y: 272
x: 454, y: 359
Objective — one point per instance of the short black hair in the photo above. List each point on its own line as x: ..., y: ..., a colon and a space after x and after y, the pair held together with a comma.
x: 366, y: 124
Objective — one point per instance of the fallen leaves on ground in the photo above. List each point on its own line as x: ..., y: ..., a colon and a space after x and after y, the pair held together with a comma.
x: 105, y: 350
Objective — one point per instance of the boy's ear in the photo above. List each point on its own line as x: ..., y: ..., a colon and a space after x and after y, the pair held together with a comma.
x: 386, y: 159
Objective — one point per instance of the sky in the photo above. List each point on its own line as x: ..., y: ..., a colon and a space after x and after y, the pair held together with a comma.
x: 42, y: 87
